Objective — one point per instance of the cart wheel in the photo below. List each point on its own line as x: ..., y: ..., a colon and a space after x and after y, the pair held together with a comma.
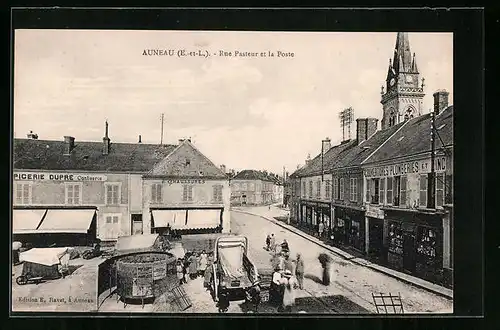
x: 21, y: 280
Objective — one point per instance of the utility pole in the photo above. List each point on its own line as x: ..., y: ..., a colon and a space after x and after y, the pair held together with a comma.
x: 161, y: 139
x: 431, y: 193
x: 322, y: 162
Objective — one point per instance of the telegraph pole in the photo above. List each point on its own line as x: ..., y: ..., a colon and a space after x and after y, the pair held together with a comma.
x: 431, y: 193
x: 161, y: 139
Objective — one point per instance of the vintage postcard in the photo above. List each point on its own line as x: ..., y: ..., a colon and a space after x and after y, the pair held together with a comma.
x: 232, y: 172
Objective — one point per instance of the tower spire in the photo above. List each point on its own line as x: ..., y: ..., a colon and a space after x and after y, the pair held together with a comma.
x: 402, y: 55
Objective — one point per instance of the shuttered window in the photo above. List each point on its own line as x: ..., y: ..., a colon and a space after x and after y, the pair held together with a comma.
x: 423, y: 190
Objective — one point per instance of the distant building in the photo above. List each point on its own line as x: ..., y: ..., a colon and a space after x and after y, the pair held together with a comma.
x: 253, y: 187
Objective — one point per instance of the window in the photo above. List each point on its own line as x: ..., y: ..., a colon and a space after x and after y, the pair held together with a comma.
x: 217, y: 193
x: 382, y: 191
x: 389, y: 199
x: 402, y: 193
x: 440, y: 189
x: 375, y: 191
x: 448, y: 190
x: 335, y: 188
x: 244, y: 186
x: 397, y: 190
x: 112, y: 194
x: 310, y: 188
x: 112, y: 219
x: 354, y: 190
x: 156, y: 195
x: 318, y: 189
x: 23, y: 193
x: 303, y: 189
x: 187, y: 193
x: 236, y: 186
x: 341, y: 189
x: 252, y: 186
x: 328, y: 188
x: 423, y: 190
x: 73, y: 194
x: 367, y: 197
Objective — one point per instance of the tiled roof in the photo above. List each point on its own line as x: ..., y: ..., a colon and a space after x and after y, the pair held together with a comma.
x: 329, y: 159
x: 187, y: 161
x: 256, y: 175
x: 87, y: 156
x: 414, y: 137
x: 354, y: 156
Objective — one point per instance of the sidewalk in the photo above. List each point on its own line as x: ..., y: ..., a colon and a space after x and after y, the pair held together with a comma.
x: 269, y: 214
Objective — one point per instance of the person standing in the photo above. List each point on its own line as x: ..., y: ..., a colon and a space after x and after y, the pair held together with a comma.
x: 203, y: 263
x: 193, y: 266
x: 180, y: 272
x: 273, y: 243
x: 299, y: 271
x: 284, y: 246
x: 321, y: 228
x: 288, y: 283
x: 268, y: 242
x: 274, y: 292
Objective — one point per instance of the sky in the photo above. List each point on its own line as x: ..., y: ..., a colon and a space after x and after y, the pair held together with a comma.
x: 243, y: 112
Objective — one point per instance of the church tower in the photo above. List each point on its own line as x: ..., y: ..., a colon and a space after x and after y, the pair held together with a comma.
x: 404, y: 92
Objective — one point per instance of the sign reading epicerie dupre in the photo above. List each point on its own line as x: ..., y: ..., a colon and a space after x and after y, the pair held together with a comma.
x: 421, y: 166
x: 43, y: 176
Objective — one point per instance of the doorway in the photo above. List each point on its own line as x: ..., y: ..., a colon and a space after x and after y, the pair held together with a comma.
x: 376, y: 239
x: 136, y: 224
x: 409, y: 252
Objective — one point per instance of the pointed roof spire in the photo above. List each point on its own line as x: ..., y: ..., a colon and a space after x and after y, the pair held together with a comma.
x: 402, y: 54
x: 414, y: 67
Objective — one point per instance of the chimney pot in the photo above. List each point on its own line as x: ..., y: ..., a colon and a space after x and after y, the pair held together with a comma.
x: 69, y: 144
x: 365, y: 128
x: 326, y: 145
x: 440, y: 101
x: 106, y: 141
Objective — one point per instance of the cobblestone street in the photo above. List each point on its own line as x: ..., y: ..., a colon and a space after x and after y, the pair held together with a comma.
x: 353, y: 281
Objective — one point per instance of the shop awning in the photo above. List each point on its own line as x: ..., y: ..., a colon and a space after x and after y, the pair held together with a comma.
x: 26, y: 221
x: 175, y: 218
x: 203, y: 219
x: 67, y: 221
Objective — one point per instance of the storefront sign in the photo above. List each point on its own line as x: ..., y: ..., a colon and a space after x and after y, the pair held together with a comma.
x: 421, y: 166
x: 186, y: 181
x: 374, y: 212
x: 43, y: 176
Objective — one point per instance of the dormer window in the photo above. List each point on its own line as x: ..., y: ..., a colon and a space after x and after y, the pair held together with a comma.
x: 188, y: 162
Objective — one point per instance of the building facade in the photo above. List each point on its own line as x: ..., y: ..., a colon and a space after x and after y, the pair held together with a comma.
x: 410, y: 228
x: 391, y: 189
x: 252, y: 187
x: 109, y: 177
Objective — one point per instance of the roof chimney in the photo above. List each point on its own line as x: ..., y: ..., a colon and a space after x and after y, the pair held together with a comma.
x: 308, y: 159
x: 69, y: 144
x: 440, y: 101
x: 32, y: 135
x: 223, y: 168
x: 365, y: 128
x: 140, y: 140
x: 326, y: 145
x: 106, y: 141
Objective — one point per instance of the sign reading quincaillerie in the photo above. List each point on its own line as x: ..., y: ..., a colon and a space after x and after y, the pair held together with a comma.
x: 421, y: 166
x: 42, y: 176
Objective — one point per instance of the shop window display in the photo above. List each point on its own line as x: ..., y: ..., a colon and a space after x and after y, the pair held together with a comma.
x: 395, y: 245
x: 427, y: 252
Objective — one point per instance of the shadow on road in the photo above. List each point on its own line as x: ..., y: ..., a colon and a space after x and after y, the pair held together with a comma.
x: 72, y: 269
x: 314, y: 278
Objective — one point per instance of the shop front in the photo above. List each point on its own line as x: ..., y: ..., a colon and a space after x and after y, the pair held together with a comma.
x: 349, y: 228
x: 375, y: 240
x: 414, y: 243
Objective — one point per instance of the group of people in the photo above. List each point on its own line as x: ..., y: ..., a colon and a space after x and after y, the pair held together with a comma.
x: 193, y: 265
x: 272, y: 246
x: 286, y: 279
